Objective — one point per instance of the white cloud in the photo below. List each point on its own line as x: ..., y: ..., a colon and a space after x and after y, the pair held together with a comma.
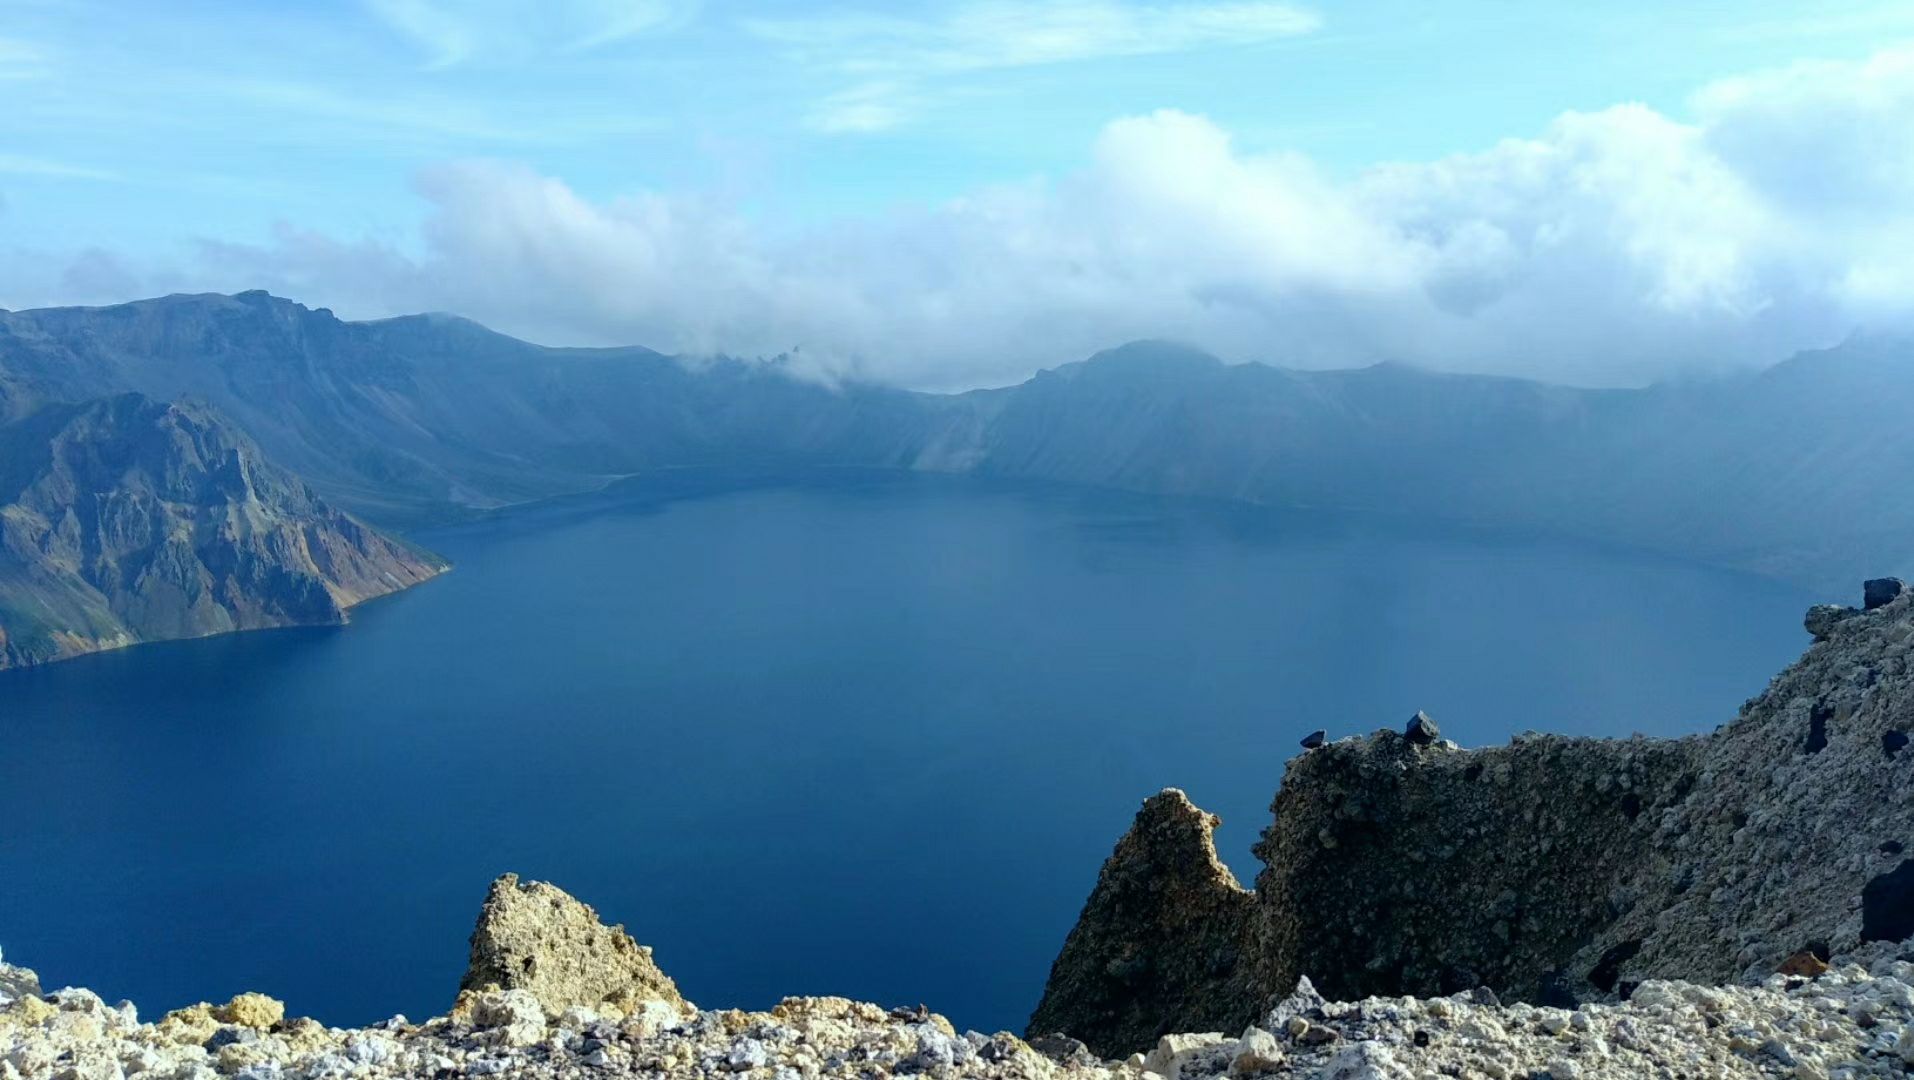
x: 1614, y: 246
x: 455, y: 32
x: 890, y: 55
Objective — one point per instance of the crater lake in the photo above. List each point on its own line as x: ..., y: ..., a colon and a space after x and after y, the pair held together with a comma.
x: 866, y: 734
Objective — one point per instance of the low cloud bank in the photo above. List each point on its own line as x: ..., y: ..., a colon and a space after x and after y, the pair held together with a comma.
x: 1615, y: 247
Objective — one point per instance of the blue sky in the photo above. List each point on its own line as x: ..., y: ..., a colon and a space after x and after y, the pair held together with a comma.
x: 323, y: 148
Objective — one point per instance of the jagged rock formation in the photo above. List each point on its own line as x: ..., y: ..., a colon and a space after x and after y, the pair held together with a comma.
x: 128, y: 519
x: 1552, y: 869
x: 1405, y: 869
x: 1160, y: 940
x: 533, y: 936
x: 1796, y: 834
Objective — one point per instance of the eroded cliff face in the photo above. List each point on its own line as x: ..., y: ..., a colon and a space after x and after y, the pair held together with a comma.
x: 1553, y: 870
x: 1796, y: 836
x: 1397, y: 868
x: 129, y: 519
x: 1162, y: 940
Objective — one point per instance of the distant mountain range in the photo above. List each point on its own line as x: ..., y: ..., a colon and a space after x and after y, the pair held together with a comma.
x: 1800, y: 471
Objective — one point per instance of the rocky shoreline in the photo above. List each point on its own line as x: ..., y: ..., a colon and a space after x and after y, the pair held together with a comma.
x: 1730, y: 905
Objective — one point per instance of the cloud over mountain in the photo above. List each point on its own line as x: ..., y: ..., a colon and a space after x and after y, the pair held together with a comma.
x: 1614, y: 246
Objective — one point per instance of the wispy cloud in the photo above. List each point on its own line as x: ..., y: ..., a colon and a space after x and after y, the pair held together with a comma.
x: 21, y: 59
x: 454, y: 33
x: 979, y: 36
x: 447, y: 117
x: 893, y: 56
x: 16, y: 165
x: 864, y: 108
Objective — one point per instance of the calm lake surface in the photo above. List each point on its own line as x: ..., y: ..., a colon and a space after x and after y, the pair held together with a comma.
x: 854, y: 734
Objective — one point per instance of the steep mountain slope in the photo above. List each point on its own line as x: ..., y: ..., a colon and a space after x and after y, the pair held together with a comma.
x: 424, y: 416
x: 126, y: 519
x: 1796, y: 471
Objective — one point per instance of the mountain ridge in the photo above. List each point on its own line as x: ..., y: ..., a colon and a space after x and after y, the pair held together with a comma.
x: 425, y: 418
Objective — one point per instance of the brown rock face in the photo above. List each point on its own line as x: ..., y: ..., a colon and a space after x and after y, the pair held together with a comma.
x: 128, y: 519
x: 1161, y: 944
x: 535, y: 937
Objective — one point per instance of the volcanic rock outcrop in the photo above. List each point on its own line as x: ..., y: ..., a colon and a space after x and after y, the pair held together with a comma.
x: 1162, y: 939
x: 533, y: 936
x: 1554, y: 870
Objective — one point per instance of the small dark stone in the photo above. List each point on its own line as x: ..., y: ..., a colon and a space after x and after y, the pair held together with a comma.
x: 1421, y: 1038
x: 1892, y: 847
x: 1881, y: 591
x: 1422, y: 729
x: 1818, y: 729
x: 1893, y: 742
x: 1553, y: 991
x: 1482, y: 995
x: 1887, y: 904
x: 1608, y: 969
x: 1315, y: 739
x: 231, y: 1033
x: 1632, y: 805
x: 1062, y: 1049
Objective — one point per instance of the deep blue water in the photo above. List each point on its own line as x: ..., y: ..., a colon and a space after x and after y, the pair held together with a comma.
x: 859, y: 735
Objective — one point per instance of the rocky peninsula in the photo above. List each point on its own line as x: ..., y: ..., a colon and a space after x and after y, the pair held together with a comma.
x: 130, y: 519
x: 1734, y: 904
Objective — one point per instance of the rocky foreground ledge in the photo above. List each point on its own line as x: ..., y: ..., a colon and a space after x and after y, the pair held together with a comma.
x: 1730, y: 905
x: 553, y: 993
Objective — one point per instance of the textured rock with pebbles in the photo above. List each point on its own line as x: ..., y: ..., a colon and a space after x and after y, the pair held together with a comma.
x: 1846, y: 1024
x: 1552, y: 870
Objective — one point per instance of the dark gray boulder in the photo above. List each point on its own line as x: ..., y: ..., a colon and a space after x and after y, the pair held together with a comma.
x: 1881, y: 591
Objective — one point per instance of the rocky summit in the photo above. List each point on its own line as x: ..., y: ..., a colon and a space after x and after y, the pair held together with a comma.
x: 1735, y: 904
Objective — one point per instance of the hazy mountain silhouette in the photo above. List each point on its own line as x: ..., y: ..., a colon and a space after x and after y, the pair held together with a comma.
x: 1796, y: 471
